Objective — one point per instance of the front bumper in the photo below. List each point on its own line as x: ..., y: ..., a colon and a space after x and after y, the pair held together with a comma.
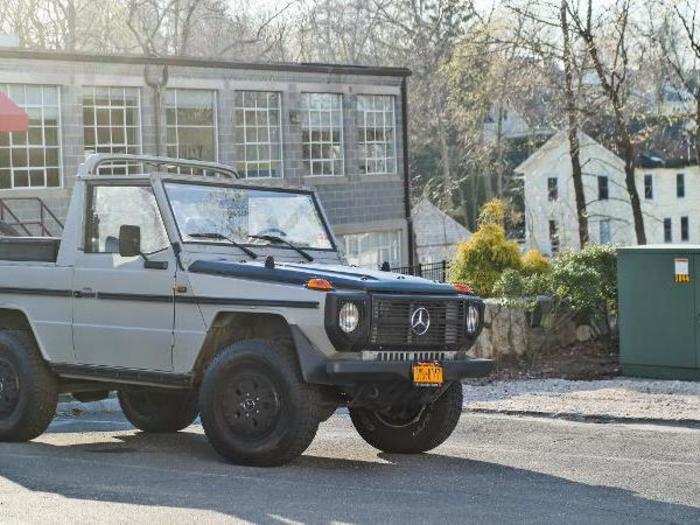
x: 346, y: 370
x: 318, y: 368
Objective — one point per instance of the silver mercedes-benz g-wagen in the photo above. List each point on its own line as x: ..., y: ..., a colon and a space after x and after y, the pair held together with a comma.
x: 191, y: 292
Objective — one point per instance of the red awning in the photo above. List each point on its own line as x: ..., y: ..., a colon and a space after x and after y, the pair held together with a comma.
x: 12, y: 117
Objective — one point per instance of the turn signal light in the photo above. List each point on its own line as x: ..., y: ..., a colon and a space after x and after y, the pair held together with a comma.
x: 322, y: 285
x: 463, y: 288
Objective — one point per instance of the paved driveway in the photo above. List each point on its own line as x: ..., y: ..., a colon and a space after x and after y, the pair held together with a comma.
x: 494, y: 469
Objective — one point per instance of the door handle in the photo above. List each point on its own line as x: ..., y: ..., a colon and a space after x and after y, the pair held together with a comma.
x: 85, y: 292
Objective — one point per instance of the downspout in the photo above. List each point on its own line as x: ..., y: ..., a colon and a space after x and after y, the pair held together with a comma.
x: 406, y: 175
x: 157, y: 79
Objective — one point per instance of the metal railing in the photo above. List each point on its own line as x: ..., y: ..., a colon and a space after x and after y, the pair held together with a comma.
x: 44, y: 217
x: 96, y: 160
x: 433, y: 271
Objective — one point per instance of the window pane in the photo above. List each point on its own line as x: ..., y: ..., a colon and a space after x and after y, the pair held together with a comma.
x: 375, y: 134
x: 322, y: 133
x: 190, y: 116
x: 370, y: 250
x: 107, y: 115
x: 257, y: 133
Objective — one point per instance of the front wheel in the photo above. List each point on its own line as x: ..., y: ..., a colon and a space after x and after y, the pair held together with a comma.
x: 158, y: 411
x: 417, y: 432
x: 255, y: 407
x: 28, y: 390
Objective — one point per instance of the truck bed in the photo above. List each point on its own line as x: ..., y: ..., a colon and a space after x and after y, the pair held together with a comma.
x: 34, y: 249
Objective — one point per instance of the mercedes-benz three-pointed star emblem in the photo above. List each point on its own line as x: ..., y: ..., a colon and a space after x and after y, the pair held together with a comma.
x: 420, y: 320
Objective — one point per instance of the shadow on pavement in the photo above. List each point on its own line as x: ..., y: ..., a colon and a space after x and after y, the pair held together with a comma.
x: 182, y: 471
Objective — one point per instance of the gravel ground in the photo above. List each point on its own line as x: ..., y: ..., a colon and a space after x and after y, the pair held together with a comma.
x: 616, y: 399
x: 613, y: 399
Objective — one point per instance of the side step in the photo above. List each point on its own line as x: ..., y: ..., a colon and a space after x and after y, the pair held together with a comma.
x: 118, y: 375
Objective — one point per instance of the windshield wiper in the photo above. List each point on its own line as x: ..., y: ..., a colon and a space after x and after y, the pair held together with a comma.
x: 217, y: 236
x: 280, y: 240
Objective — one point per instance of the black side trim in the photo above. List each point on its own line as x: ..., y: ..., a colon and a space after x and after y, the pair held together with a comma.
x: 36, y: 291
x: 161, y: 298
x: 247, y: 302
x: 190, y: 299
x: 122, y: 375
x: 135, y: 297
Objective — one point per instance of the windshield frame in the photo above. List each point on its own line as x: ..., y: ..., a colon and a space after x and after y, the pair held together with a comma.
x: 199, y: 181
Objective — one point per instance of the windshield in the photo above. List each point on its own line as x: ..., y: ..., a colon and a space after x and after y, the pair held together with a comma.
x: 238, y: 213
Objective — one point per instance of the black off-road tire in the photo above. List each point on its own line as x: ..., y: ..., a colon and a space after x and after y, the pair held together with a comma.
x: 158, y: 411
x: 256, y: 408
x: 430, y: 428
x: 29, y: 390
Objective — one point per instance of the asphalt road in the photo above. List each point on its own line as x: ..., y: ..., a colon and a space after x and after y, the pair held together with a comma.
x: 492, y: 470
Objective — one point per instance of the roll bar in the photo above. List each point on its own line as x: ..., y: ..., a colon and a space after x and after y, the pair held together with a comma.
x: 94, y: 161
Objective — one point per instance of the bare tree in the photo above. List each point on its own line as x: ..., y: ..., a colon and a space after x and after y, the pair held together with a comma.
x: 555, y: 47
x: 573, y: 127
x: 424, y: 36
x: 610, y: 58
x: 679, y: 38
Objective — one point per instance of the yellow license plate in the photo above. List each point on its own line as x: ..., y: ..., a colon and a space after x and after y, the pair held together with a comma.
x: 428, y: 374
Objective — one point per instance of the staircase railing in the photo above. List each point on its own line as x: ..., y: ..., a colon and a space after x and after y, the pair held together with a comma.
x: 45, y: 215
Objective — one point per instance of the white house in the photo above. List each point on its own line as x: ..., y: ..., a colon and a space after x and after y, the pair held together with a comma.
x: 670, y: 198
x: 436, y: 233
x: 512, y: 125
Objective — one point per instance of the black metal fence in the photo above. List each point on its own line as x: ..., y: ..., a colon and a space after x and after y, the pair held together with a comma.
x: 433, y: 271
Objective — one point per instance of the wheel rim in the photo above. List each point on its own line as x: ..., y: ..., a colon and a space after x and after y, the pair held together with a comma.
x: 9, y: 388
x: 400, y: 420
x: 251, y: 404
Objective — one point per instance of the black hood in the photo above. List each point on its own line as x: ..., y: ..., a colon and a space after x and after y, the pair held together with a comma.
x: 342, y: 277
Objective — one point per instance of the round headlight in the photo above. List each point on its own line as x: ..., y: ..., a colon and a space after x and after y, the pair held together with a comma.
x: 472, y: 320
x: 348, y: 317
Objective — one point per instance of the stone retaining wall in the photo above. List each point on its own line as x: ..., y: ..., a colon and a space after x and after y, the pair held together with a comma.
x: 516, y: 329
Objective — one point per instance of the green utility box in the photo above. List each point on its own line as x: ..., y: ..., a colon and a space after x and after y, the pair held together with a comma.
x: 659, y: 311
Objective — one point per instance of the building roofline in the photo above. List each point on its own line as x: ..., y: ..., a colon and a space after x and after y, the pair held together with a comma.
x: 302, y: 67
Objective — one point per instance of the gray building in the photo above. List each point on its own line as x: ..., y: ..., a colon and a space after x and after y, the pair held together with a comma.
x: 339, y: 129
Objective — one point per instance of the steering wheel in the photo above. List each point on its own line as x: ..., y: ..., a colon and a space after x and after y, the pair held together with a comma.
x: 272, y: 231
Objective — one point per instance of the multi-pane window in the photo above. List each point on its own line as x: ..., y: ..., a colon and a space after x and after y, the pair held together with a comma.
x: 605, y: 236
x: 684, y: 228
x: 372, y: 249
x: 680, y: 185
x: 552, y: 189
x: 32, y: 158
x: 648, y: 186
x: 603, y: 188
x: 376, y: 134
x: 190, y: 120
x: 668, y: 231
x: 553, y: 236
x: 112, y: 123
x: 258, y: 133
x: 322, y: 133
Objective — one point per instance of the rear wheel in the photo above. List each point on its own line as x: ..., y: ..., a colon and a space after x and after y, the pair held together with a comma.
x: 256, y: 408
x: 28, y: 391
x: 158, y: 411
x: 412, y: 432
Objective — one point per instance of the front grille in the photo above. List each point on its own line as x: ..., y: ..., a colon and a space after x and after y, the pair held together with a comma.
x: 391, y: 322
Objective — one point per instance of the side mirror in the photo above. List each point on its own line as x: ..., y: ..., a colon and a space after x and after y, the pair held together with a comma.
x: 129, y: 240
